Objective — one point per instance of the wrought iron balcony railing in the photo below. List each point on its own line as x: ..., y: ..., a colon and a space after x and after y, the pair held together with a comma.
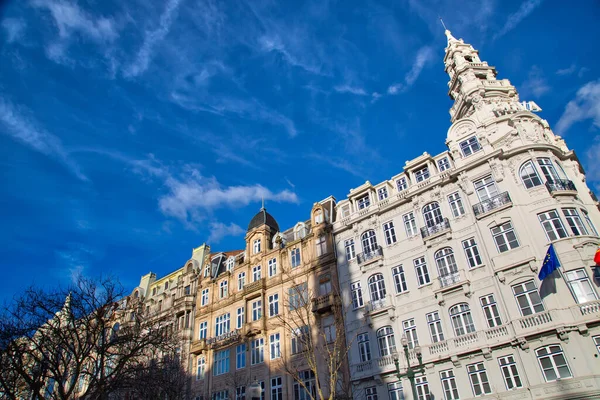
x: 435, y: 229
x: 492, y: 203
x: 560, y: 185
x: 449, y: 279
x: 370, y: 255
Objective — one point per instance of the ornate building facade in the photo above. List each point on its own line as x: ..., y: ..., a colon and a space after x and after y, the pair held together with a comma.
x: 438, y: 266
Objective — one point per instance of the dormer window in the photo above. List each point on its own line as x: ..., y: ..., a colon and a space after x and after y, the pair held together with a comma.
x: 230, y: 263
x: 256, y: 246
x: 401, y: 184
x: 470, y: 146
x: 318, y: 216
x: 299, y: 231
x: 382, y: 193
x: 364, y: 202
x: 346, y: 211
x: 443, y: 164
x: 422, y: 174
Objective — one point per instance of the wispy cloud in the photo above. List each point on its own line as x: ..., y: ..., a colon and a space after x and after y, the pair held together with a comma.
x: 219, y: 230
x: 145, y: 54
x: 536, y: 84
x: 572, y: 69
x: 14, y: 28
x: 24, y: 129
x: 514, y: 19
x: 591, y: 162
x: 585, y: 105
x: 345, y: 88
x: 424, y: 56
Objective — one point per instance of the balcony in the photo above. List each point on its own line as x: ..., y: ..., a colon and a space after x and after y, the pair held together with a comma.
x: 198, y: 346
x: 534, y: 323
x: 499, y: 202
x: 429, y: 232
x: 185, y: 302
x: 254, y: 289
x: 451, y: 280
x: 380, y: 308
x: 559, y: 187
x: 324, y: 303
x: 376, y: 366
x: 367, y: 258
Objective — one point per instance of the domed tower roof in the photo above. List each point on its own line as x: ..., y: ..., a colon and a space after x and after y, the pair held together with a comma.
x: 263, y: 218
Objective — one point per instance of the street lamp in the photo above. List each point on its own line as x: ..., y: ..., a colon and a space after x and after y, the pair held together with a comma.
x: 410, y: 371
x: 254, y: 390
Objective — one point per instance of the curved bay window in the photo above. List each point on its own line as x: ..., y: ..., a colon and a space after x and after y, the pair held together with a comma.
x: 462, y: 321
x: 432, y: 215
x: 377, y: 288
x: 386, y: 341
x: 369, y: 242
x: 529, y: 175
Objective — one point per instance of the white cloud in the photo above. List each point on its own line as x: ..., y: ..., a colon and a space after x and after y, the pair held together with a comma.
x: 25, y: 130
x: 350, y: 89
x: 536, y: 83
x: 585, y: 105
x: 514, y: 19
x: 219, y: 230
x: 567, y: 71
x: 15, y: 29
x: 145, y: 54
x: 424, y: 56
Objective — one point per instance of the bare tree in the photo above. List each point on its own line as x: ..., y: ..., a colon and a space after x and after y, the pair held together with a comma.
x: 89, y: 346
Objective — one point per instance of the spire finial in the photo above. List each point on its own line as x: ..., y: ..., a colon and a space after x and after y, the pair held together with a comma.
x: 444, y: 25
x: 263, y: 203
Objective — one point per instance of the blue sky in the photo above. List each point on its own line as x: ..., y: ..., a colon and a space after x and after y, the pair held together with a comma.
x: 133, y: 131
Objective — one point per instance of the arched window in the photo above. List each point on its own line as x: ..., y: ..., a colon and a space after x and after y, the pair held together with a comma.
x: 369, y: 241
x: 462, y: 321
x: 432, y: 214
x: 386, y: 341
x: 377, y: 288
x: 136, y: 294
x: 548, y: 169
x: 299, y: 231
x: 529, y: 175
x: 318, y: 216
x: 230, y: 263
x: 446, y: 264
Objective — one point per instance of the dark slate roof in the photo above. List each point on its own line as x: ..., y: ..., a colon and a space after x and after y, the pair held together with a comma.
x: 263, y: 218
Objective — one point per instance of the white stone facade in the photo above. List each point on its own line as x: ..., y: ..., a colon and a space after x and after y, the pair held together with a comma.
x: 446, y: 256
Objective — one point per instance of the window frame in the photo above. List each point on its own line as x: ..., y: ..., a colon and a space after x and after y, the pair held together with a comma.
x: 349, y: 249
x: 510, y: 372
x: 422, y: 272
x: 399, y: 279
x: 410, y: 224
x: 241, y: 280
x: 462, y: 319
x: 529, y: 180
x: 273, y: 305
x: 272, y: 266
x: 257, y: 351
x: 356, y: 295
x: 576, y: 284
x: 552, y: 225
x: 470, y: 146
x: 434, y: 323
x: 363, y: 202
x: 574, y: 221
x: 527, y: 293
x: 295, y: 259
x: 389, y: 233
x: 472, y: 253
x: 502, y: 232
x: 490, y: 310
x: 274, y: 346
x: 240, y: 356
x: 480, y: 383
x: 551, y: 355
x: 449, y: 387
x: 386, y: 341
x: 443, y: 164
x: 377, y: 288
x: 422, y: 174
x: 456, y: 205
x: 364, y: 347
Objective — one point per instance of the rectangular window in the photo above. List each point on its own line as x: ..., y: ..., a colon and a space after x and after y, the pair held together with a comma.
x: 202, y: 330
x: 552, y: 225
x: 485, y: 188
x: 321, y: 245
x: 256, y: 273
x: 470, y: 146
x: 449, y: 385
x: 553, y: 363
x: 187, y: 290
x: 357, y: 298
x: 597, y: 343
x: 421, y: 271
x: 364, y: 202
x: 548, y: 169
x: 382, y: 193
x: 350, y: 252
x: 222, y: 324
x: 574, y: 221
x: 256, y: 246
x: 435, y: 327
x: 329, y: 329
x: 586, y: 216
x: 371, y: 393
x: 528, y: 298
x: 346, y: 211
x: 490, y: 310
x: 207, y: 270
x: 240, y: 393
x: 581, y: 286
x: 324, y: 285
x: 395, y: 391
x: 241, y: 280
x: 256, y: 310
x: 240, y: 318
x: 410, y: 332
x: 223, y: 289
x: 456, y: 204
x: 443, y: 164
x: 510, y: 373
x: 200, y: 368
x: 309, y: 388
x: 240, y: 356
x: 275, y: 346
x: 272, y: 267
x: 422, y: 174
x: 257, y: 351
x: 221, y: 363
x: 204, y: 298
x: 505, y: 237
x: 295, y: 257
x: 399, y: 279
x: 410, y: 224
x: 274, y: 305
x: 299, y: 339
x: 364, y: 348
x: 479, y: 379
x: 276, y: 388
x: 220, y: 395
x: 422, y: 388
x: 401, y: 184
x: 390, y: 233
x: 298, y: 296
x: 472, y: 253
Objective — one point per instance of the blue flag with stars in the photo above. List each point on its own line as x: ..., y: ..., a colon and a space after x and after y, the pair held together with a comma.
x: 550, y: 264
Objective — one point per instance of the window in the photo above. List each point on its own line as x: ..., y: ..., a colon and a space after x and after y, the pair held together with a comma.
x: 382, y: 193
x: 510, y: 372
x: 410, y: 331
x: 552, y: 225
x: 257, y: 351
x: 460, y: 315
x: 364, y: 202
x: 300, y: 338
x: 449, y: 385
x: 275, y: 346
x: 256, y: 273
x: 597, y: 343
x: 240, y: 393
x: 274, y: 305
x: 456, y: 204
x: 505, y: 237
x: 241, y: 280
x: 553, y: 363
x: 490, y: 310
x: 399, y: 279
x: 240, y: 356
x: 422, y: 174
x: 446, y: 265
x: 364, y: 348
x: 298, y: 296
x: 574, y: 221
x: 422, y: 387
x: 346, y: 211
x: 309, y: 389
x: 410, y: 224
x: 207, y: 270
x: 350, y: 252
x: 377, y: 288
x: 390, y: 233
x: 435, y: 326
x: 200, y: 368
x: 222, y: 324
x: 256, y: 310
x: 221, y: 363
x: 548, y: 169
x: 529, y: 175
x: 371, y: 393
x: 256, y: 246
x: 470, y: 146
x: 443, y: 164
x: 472, y: 253
x: 230, y: 263
x: 357, y: 299
x: 321, y: 245
x: 324, y: 285
x: 295, y: 257
x: 276, y: 388
x: 299, y: 231
x: 479, y: 379
x: 240, y: 318
x: 586, y: 216
x: 432, y: 215
x: 220, y: 395
x: 202, y: 330
x: 204, y: 298
x: 581, y: 286
x: 528, y: 298
x: 421, y: 271
x: 272, y: 267
x: 485, y: 188
x: 154, y: 292
x: 223, y: 289
x: 386, y: 341
x: 329, y: 329
x: 369, y: 241
x: 318, y: 216
x: 401, y: 184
